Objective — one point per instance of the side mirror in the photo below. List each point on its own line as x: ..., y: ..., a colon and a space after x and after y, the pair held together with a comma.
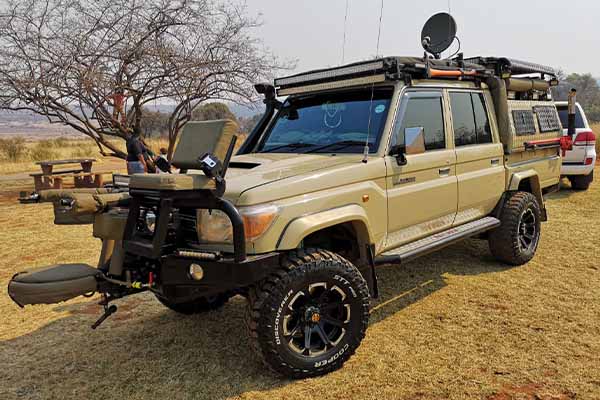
x: 398, y: 152
x: 414, y: 138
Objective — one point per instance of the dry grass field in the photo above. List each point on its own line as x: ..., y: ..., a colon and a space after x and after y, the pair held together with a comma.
x: 596, y: 129
x: 452, y: 325
x: 58, y: 148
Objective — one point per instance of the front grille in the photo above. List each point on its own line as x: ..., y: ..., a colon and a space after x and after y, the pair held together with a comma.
x: 188, y: 223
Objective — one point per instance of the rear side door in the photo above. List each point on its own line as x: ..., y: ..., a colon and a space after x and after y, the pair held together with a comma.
x: 479, y: 155
x: 422, y: 194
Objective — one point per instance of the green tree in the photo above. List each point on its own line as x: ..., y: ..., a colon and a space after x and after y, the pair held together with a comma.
x: 155, y: 123
x: 212, y: 111
x: 588, y: 94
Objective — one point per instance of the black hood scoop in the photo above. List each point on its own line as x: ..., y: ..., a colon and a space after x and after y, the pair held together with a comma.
x: 243, y: 165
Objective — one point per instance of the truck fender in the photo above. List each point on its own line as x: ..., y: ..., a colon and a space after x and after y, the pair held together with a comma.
x: 531, y: 177
x: 299, y: 228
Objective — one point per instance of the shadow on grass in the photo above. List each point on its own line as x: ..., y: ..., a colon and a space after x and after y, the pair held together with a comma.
x: 401, y: 286
x: 146, y: 351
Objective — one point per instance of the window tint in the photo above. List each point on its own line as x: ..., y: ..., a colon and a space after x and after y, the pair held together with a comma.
x: 463, y: 120
x: 482, y: 123
x: 423, y: 110
x: 563, y: 113
x: 340, y: 121
x: 469, y: 119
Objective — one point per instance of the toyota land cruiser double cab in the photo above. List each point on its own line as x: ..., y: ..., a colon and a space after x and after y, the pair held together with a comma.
x: 370, y: 163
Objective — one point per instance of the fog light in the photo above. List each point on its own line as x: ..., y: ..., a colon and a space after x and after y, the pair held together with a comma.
x: 196, y: 272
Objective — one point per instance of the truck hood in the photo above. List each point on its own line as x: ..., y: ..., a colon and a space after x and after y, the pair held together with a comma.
x: 251, y: 171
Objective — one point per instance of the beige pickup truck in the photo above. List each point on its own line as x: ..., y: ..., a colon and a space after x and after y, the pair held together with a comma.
x: 364, y: 164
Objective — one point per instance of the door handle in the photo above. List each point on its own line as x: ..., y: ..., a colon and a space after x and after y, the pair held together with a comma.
x: 444, y: 171
x: 495, y: 161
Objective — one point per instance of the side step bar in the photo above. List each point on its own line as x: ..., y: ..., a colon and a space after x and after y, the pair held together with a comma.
x: 435, y: 242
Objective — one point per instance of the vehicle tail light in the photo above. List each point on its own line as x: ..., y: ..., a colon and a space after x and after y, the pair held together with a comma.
x: 586, y: 138
x: 588, y: 161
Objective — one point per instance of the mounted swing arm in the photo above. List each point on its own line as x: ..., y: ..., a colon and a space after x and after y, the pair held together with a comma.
x: 566, y: 141
x: 216, y: 169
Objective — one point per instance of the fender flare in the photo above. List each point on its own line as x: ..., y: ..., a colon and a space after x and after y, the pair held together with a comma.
x: 533, y: 178
x: 299, y: 228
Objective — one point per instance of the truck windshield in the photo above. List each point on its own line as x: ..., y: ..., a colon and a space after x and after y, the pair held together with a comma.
x: 339, y: 122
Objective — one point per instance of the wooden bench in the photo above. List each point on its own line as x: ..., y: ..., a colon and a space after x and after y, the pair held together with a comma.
x: 49, y: 178
x: 84, y: 179
x: 53, y: 180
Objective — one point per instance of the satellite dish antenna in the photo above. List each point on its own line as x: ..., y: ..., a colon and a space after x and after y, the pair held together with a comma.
x: 438, y: 33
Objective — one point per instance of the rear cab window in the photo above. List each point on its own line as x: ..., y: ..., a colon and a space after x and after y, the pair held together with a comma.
x: 470, y: 119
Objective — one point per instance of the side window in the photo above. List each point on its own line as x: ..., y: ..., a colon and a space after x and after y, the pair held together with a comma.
x: 423, y: 110
x: 482, y: 122
x: 469, y: 119
x: 463, y: 119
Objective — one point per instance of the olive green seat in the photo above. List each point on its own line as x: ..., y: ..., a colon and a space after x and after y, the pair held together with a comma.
x: 53, y: 284
x: 196, y: 139
x: 171, y: 181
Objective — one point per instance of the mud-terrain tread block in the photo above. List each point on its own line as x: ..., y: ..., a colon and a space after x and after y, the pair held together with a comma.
x: 502, y: 241
x: 581, y: 182
x: 291, y: 264
x: 197, y: 306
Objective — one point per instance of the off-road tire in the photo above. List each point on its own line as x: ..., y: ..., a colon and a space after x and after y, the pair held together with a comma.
x: 581, y: 182
x: 270, y: 310
x: 197, y: 306
x: 507, y: 241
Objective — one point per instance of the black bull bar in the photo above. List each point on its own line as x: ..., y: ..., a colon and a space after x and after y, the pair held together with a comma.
x: 151, y: 246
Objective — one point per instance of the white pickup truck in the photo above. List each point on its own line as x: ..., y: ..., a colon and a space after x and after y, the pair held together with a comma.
x: 578, y: 164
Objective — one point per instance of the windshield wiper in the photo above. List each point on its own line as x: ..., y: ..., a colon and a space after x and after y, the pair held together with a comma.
x: 342, y: 144
x: 297, y: 145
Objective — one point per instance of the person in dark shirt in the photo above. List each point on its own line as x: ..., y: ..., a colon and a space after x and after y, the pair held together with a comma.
x: 136, y: 155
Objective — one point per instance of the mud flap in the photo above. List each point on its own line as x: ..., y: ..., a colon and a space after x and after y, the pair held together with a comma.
x: 53, y: 284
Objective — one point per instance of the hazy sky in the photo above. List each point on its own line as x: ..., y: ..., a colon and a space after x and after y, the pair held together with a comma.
x: 560, y: 33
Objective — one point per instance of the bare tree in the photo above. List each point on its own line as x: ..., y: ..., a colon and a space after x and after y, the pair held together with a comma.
x: 94, y: 64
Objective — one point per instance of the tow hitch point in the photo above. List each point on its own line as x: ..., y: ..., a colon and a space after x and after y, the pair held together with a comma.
x: 108, y: 311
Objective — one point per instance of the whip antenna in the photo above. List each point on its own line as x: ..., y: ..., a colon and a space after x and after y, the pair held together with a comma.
x: 345, y: 24
x: 366, y: 150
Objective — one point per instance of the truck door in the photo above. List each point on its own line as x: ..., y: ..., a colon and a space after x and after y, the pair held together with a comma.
x: 479, y: 156
x: 422, y: 194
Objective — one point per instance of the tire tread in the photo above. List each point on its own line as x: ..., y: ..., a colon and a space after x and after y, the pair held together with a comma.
x: 290, y: 270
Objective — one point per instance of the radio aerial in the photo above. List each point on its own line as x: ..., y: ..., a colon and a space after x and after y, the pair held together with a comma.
x: 438, y: 33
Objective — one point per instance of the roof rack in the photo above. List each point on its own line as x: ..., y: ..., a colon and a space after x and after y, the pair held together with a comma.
x: 397, y: 68
x: 505, y: 67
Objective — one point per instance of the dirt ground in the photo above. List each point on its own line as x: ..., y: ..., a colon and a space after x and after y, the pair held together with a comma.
x: 452, y: 325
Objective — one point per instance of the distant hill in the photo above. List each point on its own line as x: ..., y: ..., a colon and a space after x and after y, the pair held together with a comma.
x: 238, y: 110
x: 29, y: 124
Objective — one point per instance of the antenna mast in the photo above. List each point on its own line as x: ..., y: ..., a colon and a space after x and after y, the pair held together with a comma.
x: 345, y: 24
x: 366, y: 150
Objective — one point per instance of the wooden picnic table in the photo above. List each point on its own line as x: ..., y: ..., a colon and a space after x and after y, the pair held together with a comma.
x: 82, y: 176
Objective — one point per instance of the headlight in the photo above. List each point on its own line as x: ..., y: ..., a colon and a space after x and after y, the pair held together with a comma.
x: 215, y: 227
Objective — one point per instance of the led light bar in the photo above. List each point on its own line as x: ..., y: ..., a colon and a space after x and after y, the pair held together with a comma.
x: 330, y: 74
x: 365, y: 80
x: 526, y: 67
